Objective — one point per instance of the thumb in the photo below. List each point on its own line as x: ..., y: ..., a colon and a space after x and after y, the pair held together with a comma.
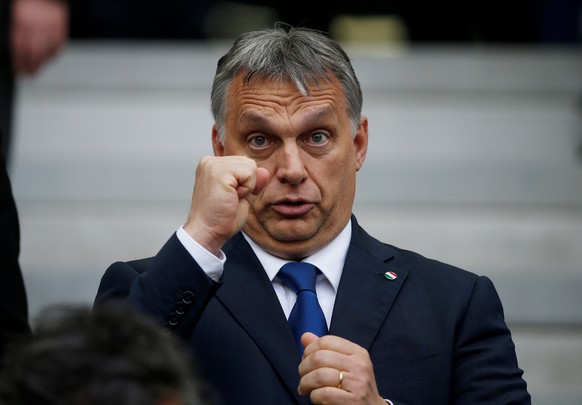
x: 261, y: 181
x: 307, y: 338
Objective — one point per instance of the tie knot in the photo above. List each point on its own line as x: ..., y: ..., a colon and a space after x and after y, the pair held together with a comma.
x: 299, y: 276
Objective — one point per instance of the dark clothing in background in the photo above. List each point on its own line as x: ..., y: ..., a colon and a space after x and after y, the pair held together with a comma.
x: 138, y: 19
x: 6, y: 79
x: 13, y: 305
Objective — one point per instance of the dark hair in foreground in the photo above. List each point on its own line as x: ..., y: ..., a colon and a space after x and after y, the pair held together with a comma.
x: 107, y: 356
x: 301, y: 56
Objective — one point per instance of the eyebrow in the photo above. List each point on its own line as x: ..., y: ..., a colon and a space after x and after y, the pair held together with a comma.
x: 317, y: 114
x: 253, y: 117
x: 312, y: 115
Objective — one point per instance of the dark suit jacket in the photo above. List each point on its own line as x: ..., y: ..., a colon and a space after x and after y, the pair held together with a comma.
x: 436, y: 334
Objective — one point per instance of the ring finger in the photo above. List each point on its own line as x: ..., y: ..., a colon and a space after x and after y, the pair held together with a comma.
x: 323, y: 377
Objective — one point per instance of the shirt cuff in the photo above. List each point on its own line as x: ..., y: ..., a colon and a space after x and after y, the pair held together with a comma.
x: 210, y: 264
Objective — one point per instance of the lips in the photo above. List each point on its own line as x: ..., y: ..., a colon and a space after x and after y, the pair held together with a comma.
x: 292, y: 208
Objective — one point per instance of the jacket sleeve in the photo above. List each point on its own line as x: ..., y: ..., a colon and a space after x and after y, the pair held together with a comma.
x: 170, y: 287
x: 485, y: 369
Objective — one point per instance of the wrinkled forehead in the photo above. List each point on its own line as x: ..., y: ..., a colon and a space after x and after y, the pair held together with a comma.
x: 262, y: 93
x: 304, y: 82
x: 264, y: 86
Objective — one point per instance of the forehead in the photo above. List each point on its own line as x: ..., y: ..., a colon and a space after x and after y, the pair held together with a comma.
x: 278, y: 96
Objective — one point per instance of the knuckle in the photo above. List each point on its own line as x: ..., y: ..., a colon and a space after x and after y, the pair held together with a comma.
x: 322, y: 395
x: 319, y: 378
x: 319, y: 358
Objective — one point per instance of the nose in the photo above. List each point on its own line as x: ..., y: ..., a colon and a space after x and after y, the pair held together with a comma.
x: 290, y: 164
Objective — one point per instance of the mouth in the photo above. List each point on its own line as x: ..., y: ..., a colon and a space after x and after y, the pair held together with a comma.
x: 292, y: 208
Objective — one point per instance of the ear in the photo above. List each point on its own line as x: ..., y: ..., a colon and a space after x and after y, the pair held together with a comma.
x: 361, y: 142
x: 217, y: 145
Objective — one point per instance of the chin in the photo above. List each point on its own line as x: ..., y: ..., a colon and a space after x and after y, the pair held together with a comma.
x: 289, y: 250
x: 290, y: 233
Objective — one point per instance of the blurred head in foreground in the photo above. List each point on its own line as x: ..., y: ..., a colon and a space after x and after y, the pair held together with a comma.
x: 79, y: 356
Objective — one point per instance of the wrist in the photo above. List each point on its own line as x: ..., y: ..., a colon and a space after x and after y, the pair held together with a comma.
x: 204, y: 239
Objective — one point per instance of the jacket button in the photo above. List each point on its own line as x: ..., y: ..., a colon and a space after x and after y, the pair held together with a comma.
x: 187, y: 297
x: 180, y: 308
x: 173, y: 319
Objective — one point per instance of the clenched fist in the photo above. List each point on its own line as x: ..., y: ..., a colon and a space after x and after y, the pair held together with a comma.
x: 220, y: 201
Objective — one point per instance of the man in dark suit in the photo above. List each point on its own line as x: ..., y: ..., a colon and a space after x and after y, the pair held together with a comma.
x: 288, y: 140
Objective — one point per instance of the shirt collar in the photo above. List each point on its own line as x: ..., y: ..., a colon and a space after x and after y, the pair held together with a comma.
x: 329, y: 260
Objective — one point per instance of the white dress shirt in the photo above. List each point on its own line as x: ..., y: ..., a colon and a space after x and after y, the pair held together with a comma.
x: 329, y: 260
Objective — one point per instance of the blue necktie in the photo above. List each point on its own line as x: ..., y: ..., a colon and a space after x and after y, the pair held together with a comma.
x: 306, y: 315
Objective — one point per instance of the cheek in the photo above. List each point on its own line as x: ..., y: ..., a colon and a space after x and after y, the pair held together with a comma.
x: 340, y: 167
x: 267, y: 194
x: 331, y: 179
x: 339, y: 178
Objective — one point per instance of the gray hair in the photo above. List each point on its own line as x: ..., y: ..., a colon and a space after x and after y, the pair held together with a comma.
x: 298, y: 55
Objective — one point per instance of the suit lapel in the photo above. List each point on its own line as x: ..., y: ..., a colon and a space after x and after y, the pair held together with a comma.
x: 365, y: 296
x: 247, y: 293
x: 363, y: 300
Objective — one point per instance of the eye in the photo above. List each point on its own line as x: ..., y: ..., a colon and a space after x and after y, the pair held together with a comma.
x: 259, y: 142
x: 318, y: 138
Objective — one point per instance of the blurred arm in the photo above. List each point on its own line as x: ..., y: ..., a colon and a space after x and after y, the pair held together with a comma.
x: 38, y: 30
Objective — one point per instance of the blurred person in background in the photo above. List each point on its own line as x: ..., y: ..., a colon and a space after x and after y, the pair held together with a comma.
x: 32, y: 32
x: 102, y: 357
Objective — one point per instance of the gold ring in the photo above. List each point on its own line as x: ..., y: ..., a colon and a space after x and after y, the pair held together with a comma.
x: 341, y: 380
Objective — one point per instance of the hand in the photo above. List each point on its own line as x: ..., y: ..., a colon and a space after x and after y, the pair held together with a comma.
x: 219, y: 202
x: 39, y: 28
x: 323, y: 360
